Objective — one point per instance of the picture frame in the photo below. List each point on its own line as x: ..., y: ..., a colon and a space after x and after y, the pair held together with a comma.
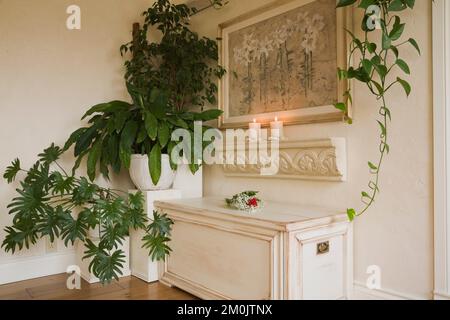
x: 231, y: 92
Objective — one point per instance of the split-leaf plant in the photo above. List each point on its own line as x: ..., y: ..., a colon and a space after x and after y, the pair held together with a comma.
x: 53, y: 204
x: 170, y: 83
x: 377, y: 56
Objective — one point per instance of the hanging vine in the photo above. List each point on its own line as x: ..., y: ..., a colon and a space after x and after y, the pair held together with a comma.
x: 376, y: 64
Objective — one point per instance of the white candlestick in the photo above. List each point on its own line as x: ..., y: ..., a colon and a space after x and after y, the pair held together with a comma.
x: 254, y: 130
x: 276, y: 129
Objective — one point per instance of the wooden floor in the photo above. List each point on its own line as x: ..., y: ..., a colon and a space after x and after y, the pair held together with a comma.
x: 54, y: 288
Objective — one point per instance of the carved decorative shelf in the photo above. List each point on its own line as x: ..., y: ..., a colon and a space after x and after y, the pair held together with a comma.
x: 324, y: 159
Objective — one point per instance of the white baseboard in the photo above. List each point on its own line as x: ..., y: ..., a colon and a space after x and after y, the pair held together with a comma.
x: 441, y: 296
x: 361, y: 292
x: 36, y: 267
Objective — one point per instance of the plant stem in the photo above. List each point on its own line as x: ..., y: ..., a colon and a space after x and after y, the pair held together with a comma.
x: 383, y: 150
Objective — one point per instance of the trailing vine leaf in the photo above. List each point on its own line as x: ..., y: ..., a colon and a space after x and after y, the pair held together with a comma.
x: 414, y: 43
x: 374, y: 68
x: 406, y: 86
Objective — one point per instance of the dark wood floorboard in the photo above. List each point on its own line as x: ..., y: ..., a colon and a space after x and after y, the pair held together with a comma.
x: 54, y: 288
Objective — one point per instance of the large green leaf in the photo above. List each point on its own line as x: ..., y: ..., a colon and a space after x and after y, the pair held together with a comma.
x: 151, y: 125
x: 177, y: 121
x: 113, y: 106
x: 163, y: 134
x: 154, y: 163
x: 93, y: 157
x: 126, y: 142
x: 113, y: 146
x: 209, y: 115
x: 74, y: 138
x: 85, y: 139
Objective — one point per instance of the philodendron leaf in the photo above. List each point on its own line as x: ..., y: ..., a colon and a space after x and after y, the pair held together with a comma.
x: 12, y: 170
x: 50, y: 154
x: 154, y: 163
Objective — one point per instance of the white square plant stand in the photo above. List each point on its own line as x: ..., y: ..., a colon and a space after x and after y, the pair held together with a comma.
x: 186, y: 185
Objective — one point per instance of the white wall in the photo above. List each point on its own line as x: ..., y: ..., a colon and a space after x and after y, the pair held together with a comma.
x: 397, y: 233
x: 49, y: 76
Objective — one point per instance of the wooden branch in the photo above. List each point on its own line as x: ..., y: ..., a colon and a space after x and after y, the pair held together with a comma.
x: 136, y: 30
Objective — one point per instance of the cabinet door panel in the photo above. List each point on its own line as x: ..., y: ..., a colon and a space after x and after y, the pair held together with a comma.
x: 322, y: 273
x: 236, y: 265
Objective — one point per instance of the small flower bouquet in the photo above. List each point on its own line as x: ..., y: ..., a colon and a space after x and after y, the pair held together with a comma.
x: 245, y: 201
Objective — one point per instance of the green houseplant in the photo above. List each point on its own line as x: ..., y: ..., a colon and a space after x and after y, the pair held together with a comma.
x: 54, y: 204
x: 170, y: 84
x: 59, y: 205
x: 374, y: 65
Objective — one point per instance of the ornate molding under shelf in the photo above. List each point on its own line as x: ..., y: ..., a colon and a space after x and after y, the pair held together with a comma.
x: 323, y: 159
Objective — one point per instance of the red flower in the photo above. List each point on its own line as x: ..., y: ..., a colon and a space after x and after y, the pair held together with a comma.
x: 253, y: 202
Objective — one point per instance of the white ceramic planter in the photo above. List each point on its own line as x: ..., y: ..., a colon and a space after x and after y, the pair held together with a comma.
x: 140, y: 173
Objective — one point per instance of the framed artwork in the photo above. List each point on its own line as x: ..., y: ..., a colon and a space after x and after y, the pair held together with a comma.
x: 282, y: 61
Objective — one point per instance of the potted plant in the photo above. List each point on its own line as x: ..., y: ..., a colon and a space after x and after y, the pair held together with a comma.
x: 59, y: 205
x: 55, y: 204
x: 170, y: 84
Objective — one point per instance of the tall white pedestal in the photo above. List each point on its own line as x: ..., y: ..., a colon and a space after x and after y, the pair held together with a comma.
x: 142, y: 265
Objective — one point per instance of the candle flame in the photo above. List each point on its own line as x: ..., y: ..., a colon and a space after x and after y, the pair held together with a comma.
x: 276, y: 118
x: 254, y: 120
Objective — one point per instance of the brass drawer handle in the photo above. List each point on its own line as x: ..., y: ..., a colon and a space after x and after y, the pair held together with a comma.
x: 323, y: 247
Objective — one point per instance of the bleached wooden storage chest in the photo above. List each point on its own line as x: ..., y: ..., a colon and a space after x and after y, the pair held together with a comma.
x: 280, y: 252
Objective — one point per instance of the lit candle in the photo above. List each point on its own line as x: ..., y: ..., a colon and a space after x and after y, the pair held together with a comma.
x: 254, y: 130
x: 276, y: 129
